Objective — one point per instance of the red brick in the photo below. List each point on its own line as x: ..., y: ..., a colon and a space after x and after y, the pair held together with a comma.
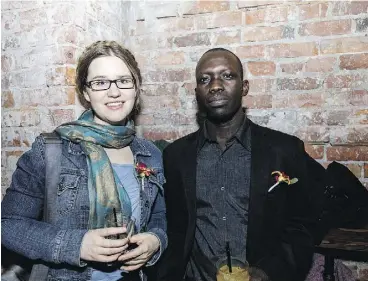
x: 256, y: 3
x: 291, y: 68
x: 342, y: 81
x: 361, y: 24
x: 338, y: 117
x: 218, y: 20
x: 356, y: 135
x: 144, y: 119
x: 166, y: 25
x: 278, y: 13
x: 254, y: 51
x: 345, y: 153
x: 325, y: 28
x: 174, y: 118
x: 313, y: 134
x: 260, y: 68
x: 151, y: 42
x: 258, y: 101
x: 160, y: 89
x: 154, y: 103
x: 298, y: 83
x: 261, y: 85
x: 356, y: 169
x: 341, y: 8
x: 31, y: 18
x: 312, y: 10
x: 10, y: 138
x: 204, y: 6
x: 262, y: 33
x: 7, y: 62
x: 7, y: 99
x: 293, y: 50
x: 358, y: 97
x: 297, y: 100
x: 361, y: 116
x: 315, y: 151
x: 170, y: 75
x: 357, y: 61
x: 189, y: 88
x: 226, y: 37
x: 344, y: 45
x: 320, y: 64
x: 193, y: 39
x: 153, y: 133
x: 366, y: 170
x: 60, y: 116
x: 170, y: 58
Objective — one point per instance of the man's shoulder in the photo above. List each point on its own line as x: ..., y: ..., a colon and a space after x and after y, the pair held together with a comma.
x: 275, y: 137
x: 182, y: 142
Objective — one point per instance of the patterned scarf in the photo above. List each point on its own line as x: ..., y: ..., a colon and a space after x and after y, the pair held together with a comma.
x: 109, y: 201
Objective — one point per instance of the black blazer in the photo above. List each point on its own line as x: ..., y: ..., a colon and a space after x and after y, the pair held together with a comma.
x: 280, y: 228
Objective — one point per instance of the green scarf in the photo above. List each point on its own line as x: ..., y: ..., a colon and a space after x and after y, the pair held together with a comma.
x: 109, y: 201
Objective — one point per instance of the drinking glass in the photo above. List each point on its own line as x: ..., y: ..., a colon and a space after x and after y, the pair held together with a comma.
x: 239, y: 270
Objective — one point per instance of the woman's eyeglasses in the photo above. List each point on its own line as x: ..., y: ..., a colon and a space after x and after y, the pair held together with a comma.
x: 102, y: 85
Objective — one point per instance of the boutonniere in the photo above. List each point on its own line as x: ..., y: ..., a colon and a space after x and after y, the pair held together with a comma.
x: 281, y: 177
x: 143, y: 171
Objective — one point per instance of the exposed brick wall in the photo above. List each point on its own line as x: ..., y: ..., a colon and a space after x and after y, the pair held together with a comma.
x: 307, y: 65
x: 306, y: 61
x: 40, y: 43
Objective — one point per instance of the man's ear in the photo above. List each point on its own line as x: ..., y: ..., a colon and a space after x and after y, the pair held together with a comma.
x: 245, y: 87
x: 86, y: 96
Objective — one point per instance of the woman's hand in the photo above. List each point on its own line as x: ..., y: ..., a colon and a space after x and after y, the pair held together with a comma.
x: 97, y: 247
x: 147, y: 245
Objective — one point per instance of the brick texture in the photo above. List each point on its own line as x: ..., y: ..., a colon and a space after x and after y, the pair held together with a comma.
x: 307, y: 63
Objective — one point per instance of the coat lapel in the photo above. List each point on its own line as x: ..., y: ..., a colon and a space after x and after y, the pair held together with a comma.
x: 262, y: 159
x: 189, y: 167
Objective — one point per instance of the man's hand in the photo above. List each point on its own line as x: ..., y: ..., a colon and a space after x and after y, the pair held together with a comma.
x: 147, y: 243
x: 257, y: 274
x: 96, y: 247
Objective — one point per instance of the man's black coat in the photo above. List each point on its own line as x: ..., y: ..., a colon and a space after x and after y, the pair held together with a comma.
x: 281, y: 223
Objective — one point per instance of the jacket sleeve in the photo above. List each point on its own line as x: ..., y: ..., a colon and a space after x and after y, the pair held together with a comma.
x: 171, y: 266
x: 23, y: 230
x: 157, y: 222
x: 291, y: 258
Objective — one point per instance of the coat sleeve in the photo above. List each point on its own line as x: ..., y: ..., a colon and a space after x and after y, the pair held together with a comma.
x: 171, y: 267
x: 23, y: 230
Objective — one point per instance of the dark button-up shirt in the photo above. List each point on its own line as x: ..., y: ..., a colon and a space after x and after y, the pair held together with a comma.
x: 223, y: 182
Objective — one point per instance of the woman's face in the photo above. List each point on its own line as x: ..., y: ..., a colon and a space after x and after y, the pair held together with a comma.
x: 110, y: 106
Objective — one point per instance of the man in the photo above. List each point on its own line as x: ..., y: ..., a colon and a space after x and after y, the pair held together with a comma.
x: 218, y: 195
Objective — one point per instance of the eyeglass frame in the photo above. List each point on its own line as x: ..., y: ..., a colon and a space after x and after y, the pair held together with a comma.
x: 88, y: 84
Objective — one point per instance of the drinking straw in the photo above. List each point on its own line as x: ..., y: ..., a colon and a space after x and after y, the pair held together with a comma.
x: 115, y: 217
x: 228, y: 254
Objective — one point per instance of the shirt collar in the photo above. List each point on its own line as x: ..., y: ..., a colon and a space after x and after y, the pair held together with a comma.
x: 242, y: 135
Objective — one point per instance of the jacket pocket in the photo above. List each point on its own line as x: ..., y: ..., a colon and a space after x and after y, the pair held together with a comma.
x: 68, y: 189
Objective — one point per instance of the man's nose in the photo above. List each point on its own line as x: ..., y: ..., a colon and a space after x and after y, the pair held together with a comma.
x: 216, y: 86
x: 114, y: 91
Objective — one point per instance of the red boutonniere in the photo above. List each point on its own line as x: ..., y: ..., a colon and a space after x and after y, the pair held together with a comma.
x: 281, y: 177
x: 143, y: 171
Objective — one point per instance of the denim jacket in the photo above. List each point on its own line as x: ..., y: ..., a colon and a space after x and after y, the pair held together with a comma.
x: 58, y: 245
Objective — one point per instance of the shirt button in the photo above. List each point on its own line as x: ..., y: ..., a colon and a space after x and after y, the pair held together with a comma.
x: 222, y: 188
x: 224, y: 218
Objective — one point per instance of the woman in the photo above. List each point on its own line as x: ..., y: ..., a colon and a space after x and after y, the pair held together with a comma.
x: 107, y: 174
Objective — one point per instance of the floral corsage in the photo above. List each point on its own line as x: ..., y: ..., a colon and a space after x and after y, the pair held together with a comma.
x: 143, y: 172
x: 281, y: 177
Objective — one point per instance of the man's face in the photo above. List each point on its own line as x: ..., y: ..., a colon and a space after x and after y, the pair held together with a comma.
x: 219, y: 88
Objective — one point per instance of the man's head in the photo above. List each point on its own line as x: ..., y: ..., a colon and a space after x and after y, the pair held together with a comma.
x: 220, y: 86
